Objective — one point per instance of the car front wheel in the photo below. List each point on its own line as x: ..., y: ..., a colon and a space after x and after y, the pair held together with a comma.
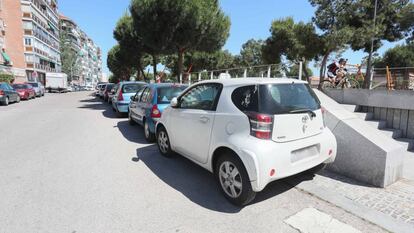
x: 150, y: 137
x: 163, y: 142
x: 234, y: 180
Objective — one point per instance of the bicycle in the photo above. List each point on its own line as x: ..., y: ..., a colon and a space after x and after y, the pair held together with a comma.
x: 346, y: 82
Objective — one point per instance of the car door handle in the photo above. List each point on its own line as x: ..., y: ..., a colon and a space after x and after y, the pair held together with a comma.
x: 204, y: 119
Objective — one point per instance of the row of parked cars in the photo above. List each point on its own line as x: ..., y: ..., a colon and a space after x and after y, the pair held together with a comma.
x: 10, y: 93
x: 248, y: 132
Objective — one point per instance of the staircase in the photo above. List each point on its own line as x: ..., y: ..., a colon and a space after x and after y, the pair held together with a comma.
x: 396, y: 134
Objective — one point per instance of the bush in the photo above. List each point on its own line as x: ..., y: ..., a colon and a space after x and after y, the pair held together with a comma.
x: 8, y: 78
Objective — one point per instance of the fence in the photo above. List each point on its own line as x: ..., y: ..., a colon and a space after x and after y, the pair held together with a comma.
x: 263, y: 71
x: 394, y: 78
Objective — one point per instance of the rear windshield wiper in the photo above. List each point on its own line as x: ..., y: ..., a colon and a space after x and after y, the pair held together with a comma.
x: 304, y: 110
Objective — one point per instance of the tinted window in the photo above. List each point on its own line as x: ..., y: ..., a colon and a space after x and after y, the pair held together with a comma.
x: 34, y: 84
x: 166, y: 94
x: 284, y: 98
x: 246, y: 98
x: 131, y: 88
x: 20, y: 86
x: 204, y: 96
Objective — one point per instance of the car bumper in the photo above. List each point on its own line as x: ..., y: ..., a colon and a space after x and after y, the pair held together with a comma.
x: 122, y: 107
x: 286, y: 159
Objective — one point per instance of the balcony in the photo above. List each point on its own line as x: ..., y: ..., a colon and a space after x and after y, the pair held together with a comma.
x: 44, y: 68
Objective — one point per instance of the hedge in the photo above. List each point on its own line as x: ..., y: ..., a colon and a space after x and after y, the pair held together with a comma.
x: 6, y: 77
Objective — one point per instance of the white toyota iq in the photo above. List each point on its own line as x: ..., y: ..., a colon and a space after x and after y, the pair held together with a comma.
x: 248, y: 132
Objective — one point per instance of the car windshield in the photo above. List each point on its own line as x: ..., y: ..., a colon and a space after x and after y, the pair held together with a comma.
x: 166, y: 94
x: 20, y: 86
x: 34, y: 84
x: 131, y: 87
x: 286, y: 98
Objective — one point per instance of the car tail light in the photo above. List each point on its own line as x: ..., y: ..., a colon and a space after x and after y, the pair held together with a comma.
x: 155, y: 112
x: 261, y: 125
x: 1, y: 92
x: 120, y: 96
x: 323, y: 110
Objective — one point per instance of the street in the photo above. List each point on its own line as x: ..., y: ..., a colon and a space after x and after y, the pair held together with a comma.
x: 68, y: 164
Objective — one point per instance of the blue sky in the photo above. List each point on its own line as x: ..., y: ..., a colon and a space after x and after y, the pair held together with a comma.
x: 249, y: 19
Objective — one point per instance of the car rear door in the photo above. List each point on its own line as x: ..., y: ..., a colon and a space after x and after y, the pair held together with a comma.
x: 135, y: 104
x: 193, y: 119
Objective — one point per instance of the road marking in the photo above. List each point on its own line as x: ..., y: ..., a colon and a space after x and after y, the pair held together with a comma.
x: 311, y: 220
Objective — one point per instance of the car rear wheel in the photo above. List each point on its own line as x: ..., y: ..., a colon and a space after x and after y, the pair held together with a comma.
x: 150, y: 137
x: 234, y: 180
x: 6, y: 101
x: 18, y: 99
x: 163, y: 143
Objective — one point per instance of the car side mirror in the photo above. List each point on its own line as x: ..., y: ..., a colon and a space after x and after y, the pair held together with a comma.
x: 174, y: 102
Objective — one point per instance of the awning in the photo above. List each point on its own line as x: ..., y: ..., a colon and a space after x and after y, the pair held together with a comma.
x: 6, y: 57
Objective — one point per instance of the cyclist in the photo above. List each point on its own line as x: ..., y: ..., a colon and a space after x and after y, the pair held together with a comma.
x: 337, y: 70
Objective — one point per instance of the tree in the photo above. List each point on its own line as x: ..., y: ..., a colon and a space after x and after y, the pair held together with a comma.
x: 298, y: 42
x: 399, y: 56
x: 131, y: 44
x: 69, y: 56
x: 391, y: 22
x: 180, y: 26
x: 293, y: 71
x: 118, y: 63
x: 251, y: 53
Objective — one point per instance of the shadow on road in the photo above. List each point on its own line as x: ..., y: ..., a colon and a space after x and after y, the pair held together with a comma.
x: 132, y: 133
x: 196, y: 183
x: 98, y: 104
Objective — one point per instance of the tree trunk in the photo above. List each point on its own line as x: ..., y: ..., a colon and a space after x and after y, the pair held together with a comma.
x: 305, y: 70
x: 322, y: 70
x: 180, y: 64
x: 367, y: 79
x: 141, y: 70
x: 154, y: 64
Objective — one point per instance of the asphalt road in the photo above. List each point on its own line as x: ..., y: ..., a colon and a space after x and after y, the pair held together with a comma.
x: 67, y: 164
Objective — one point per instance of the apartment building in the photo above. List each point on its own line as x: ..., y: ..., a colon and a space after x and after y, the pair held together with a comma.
x: 11, y: 40
x: 88, y: 60
x: 40, y: 38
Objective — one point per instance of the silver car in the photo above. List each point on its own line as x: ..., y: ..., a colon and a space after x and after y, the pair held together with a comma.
x: 38, y: 87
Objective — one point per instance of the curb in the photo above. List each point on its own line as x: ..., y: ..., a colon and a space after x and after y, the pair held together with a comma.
x: 373, y: 216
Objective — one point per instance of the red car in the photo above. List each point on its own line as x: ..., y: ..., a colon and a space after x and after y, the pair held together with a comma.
x: 24, y: 90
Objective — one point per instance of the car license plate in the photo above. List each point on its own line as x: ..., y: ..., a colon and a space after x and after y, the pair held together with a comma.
x: 304, y: 153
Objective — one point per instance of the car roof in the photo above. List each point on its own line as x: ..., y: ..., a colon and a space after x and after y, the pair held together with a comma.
x: 131, y: 82
x: 252, y: 80
x: 167, y: 84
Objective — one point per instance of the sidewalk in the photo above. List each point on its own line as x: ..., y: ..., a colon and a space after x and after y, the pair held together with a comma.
x: 392, y: 208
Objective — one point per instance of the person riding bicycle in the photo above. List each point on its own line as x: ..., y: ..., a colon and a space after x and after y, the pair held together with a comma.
x: 337, y: 70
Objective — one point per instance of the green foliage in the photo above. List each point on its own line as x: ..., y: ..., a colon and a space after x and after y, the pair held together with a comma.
x: 399, y: 56
x: 293, y: 71
x: 69, y: 56
x: 251, y: 53
x: 179, y: 26
x: 118, y: 63
x: 8, y: 78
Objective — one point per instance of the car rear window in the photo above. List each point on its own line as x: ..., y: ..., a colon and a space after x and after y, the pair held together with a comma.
x: 20, y: 86
x: 131, y: 88
x: 275, y: 99
x: 34, y: 84
x: 166, y: 94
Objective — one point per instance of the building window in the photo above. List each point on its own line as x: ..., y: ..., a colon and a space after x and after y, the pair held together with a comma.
x: 28, y: 41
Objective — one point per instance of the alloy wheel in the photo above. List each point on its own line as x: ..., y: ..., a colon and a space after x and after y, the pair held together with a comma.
x: 230, y: 179
x: 163, y: 142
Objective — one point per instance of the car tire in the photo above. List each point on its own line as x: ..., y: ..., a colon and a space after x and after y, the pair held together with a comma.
x: 130, y: 120
x: 6, y: 101
x: 240, y: 194
x: 18, y: 99
x: 150, y: 137
x: 163, y: 142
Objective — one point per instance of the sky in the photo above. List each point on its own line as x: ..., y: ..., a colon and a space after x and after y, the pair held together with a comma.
x: 249, y: 19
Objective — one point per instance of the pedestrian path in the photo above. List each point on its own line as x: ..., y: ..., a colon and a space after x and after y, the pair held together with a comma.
x: 390, y: 208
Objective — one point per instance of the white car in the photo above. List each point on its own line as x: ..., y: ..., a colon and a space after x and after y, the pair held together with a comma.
x: 248, y: 132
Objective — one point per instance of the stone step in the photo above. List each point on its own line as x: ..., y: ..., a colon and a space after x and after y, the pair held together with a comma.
x: 366, y: 116
x: 392, y: 133
x: 377, y: 124
x: 406, y: 143
x: 349, y: 107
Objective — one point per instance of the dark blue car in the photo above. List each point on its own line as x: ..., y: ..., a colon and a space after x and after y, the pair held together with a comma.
x: 147, y: 104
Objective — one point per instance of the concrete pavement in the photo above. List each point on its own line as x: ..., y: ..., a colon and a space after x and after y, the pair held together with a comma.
x: 67, y: 164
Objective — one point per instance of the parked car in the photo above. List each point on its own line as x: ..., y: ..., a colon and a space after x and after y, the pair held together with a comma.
x: 24, y: 90
x: 111, y: 94
x: 149, y: 102
x: 108, y: 89
x: 38, y: 87
x: 98, y: 88
x: 101, y: 90
x: 248, y: 132
x: 122, y: 97
x: 8, y: 94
